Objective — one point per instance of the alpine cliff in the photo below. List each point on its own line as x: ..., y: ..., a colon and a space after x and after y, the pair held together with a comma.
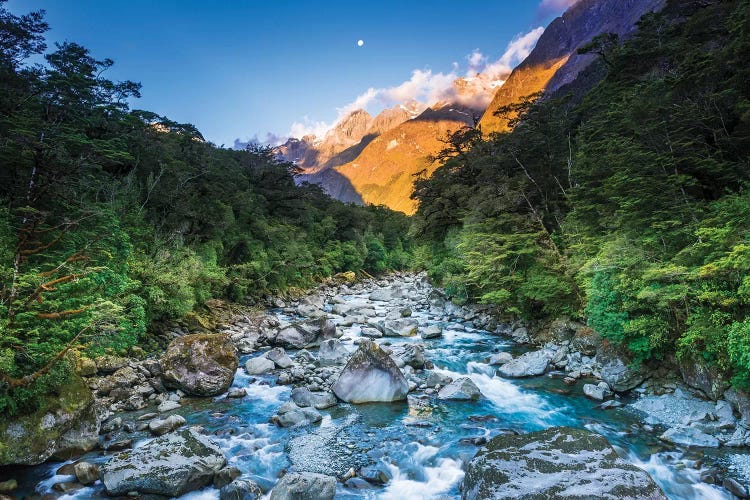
x: 376, y: 160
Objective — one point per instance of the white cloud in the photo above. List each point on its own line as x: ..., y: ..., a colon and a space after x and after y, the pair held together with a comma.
x: 472, y: 88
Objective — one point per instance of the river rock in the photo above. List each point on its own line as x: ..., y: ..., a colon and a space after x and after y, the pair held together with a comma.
x: 405, y: 327
x: 597, y: 392
x: 332, y: 352
x: 291, y: 415
x: 168, y: 424
x: 241, y: 489
x: 86, y: 473
x: 303, y: 397
x: 373, y: 333
x: 500, y: 358
x: 530, y: 364
x: 431, y: 332
x: 200, y: 364
x: 461, y: 389
x: 559, y: 462
x: 109, y: 364
x: 280, y: 358
x: 370, y: 376
x: 259, y: 365
x: 385, y: 294
x: 304, y: 486
x: 689, y: 436
x: 306, y: 334
x: 237, y: 392
x: 64, y: 426
x: 409, y: 355
x: 168, y: 405
x: 617, y: 373
x: 171, y: 465
x: 735, y: 488
x: 226, y: 476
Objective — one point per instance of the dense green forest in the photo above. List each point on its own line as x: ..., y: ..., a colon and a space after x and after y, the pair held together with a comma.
x: 112, y: 219
x: 622, y: 199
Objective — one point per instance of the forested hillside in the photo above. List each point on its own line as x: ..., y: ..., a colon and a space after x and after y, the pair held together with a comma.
x: 112, y: 218
x: 622, y: 198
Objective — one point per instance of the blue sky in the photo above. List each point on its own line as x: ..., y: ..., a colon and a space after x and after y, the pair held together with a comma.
x: 241, y: 69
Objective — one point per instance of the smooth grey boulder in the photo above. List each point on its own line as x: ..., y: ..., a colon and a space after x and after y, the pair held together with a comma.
x: 291, y: 415
x: 303, y: 397
x: 370, y: 332
x: 405, y: 327
x: 304, y: 486
x: 597, y: 392
x: 171, y: 465
x: 162, y: 426
x: 431, y: 332
x: 332, y: 352
x: 689, y: 436
x: 435, y: 378
x: 306, y: 334
x: 500, y: 358
x: 462, y: 389
x: 385, y: 294
x: 370, y: 376
x: 530, y: 364
x: 560, y: 462
x: 241, y: 489
x: 259, y: 365
x: 280, y: 358
x: 409, y: 355
x: 200, y: 364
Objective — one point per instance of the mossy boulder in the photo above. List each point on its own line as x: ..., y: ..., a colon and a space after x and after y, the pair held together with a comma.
x: 64, y: 426
x: 200, y: 364
x: 560, y: 462
x: 171, y: 465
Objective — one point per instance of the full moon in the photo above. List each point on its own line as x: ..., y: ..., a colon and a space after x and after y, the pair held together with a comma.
x: 360, y: 43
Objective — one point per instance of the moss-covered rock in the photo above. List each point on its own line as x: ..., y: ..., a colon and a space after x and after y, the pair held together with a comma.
x: 560, y: 462
x: 170, y: 465
x: 200, y: 364
x: 64, y: 426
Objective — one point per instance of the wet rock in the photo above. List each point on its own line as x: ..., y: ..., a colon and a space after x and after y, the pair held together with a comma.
x: 123, y: 444
x: 735, y: 488
x: 291, y: 415
x: 319, y: 400
x: 86, y: 473
x: 304, y: 486
x: 385, y: 294
x: 530, y: 364
x: 67, y: 487
x: 500, y: 358
x: 406, y: 312
x: 168, y: 405
x: 236, y: 393
x: 168, y: 424
x: 226, y: 476
x: 64, y: 426
x: 241, y: 489
x: 171, y: 465
x: 370, y: 332
x: 597, y: 392
x: 375, y: 474
x: 200, y: 364
x: 689, y: 436
x: 434, y: 378
x: 431, y: 332
x: 556, y: 463
x: 409, y: 355
x: 370, y: 376
x: 280, y: 358
x: 306, y: 334
x: 616, y: 372
x: 406, y: 327
x: 461, y: 389
x: 608, y: 405
x: 259, y: 366
x: 357, y: 483
x: 332, y: 352
x: 8, y: 486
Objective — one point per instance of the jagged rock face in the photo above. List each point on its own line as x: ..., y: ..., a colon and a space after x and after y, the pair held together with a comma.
x: 554, y: 61
x: 559, y: 462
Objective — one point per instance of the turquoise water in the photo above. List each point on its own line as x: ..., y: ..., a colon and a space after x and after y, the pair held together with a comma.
x: 421, y: 444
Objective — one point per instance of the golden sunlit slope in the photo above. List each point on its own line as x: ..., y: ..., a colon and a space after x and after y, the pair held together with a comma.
x: 383, y: 173
x: 554, y: 61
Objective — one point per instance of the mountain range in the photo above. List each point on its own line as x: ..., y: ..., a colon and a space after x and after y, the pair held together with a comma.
x: 374, y: 160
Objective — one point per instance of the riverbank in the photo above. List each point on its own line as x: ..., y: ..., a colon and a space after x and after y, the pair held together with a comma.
x: 274, y: 415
